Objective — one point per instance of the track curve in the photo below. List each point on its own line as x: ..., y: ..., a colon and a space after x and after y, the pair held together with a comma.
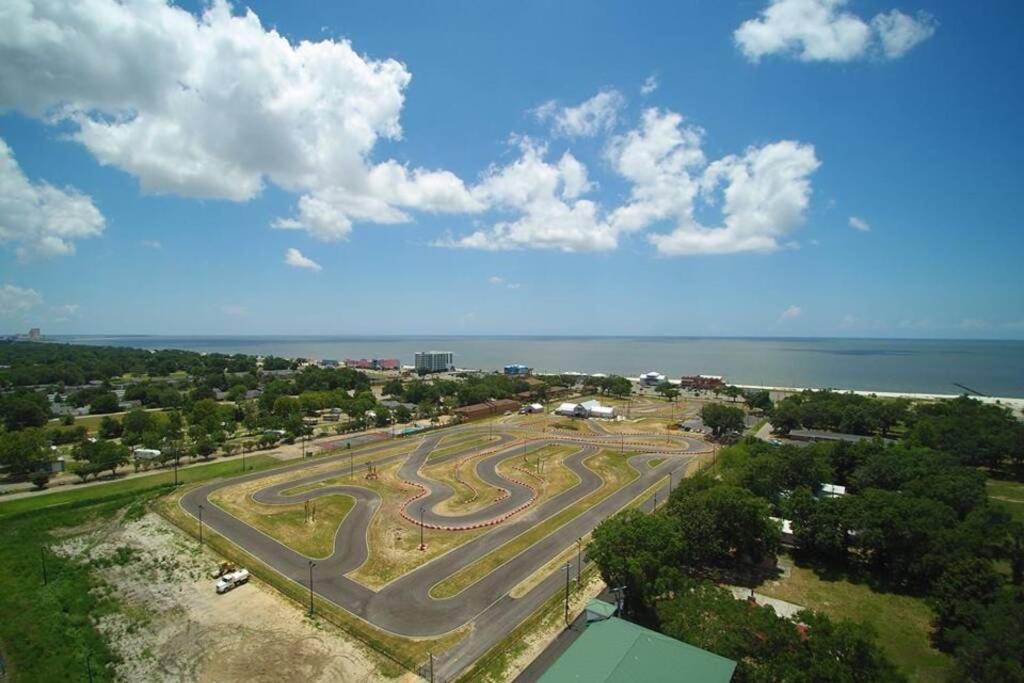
x: 405, y: 606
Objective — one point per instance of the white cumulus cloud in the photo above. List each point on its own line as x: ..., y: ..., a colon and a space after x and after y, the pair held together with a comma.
x: 544, y: 198
x: 898, y: 32
x: 765, y: 191
x: 822, y: 30
x: 217, y: 105
x: 649, y: 85
x: 40, y: 219
x: 15, y: 300
x: 859, y: 224
x: 293, y: 257
x: 596, y: 115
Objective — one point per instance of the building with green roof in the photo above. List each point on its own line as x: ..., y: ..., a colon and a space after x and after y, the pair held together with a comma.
x: 613, y: 650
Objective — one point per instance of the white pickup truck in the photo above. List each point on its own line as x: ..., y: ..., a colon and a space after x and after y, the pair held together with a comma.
x: 232, y: 579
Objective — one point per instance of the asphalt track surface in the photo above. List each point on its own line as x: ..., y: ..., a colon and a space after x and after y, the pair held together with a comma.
x: 405, y: 606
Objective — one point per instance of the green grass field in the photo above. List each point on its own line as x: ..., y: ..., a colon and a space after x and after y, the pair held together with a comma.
x: 902, y: 622
x: 118, y: 489
x: 313, y: 536
x: 1009, y: 494
x: 47, y: 629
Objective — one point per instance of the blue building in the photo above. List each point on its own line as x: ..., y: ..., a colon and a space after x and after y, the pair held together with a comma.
x: 517, y: 370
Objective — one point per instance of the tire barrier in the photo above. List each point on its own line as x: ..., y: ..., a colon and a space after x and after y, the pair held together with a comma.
x: 423, y: 491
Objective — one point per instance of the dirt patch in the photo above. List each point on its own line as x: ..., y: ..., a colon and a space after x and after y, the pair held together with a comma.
x: 172, y: 626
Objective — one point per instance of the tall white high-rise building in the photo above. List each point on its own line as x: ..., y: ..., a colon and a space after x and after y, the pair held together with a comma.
x: 434, y: 361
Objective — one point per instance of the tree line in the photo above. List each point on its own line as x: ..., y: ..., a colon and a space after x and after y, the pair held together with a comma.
x: 667, y: 564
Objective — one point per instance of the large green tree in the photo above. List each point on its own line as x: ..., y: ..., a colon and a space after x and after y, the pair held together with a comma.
x: 639, y: 552
x: 722, y: 418
x: 723, y: 524
x: 25, y: 450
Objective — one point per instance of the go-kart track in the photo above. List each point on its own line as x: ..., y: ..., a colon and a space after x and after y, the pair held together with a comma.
x: 404, y: 606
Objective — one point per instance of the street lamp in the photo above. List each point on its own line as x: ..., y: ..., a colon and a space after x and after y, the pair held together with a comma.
x: 579, y: 560
x: 42, y: 558
x: 423, y: 546
x: 200, y: 525
x: 568, y: 565
x: 311, y: 565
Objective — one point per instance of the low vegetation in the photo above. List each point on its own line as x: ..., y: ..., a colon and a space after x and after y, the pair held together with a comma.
x: 615, y: 472
x: 307, y: 528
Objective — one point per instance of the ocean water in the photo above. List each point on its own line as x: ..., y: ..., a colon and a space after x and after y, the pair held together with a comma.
x: 995, y: 368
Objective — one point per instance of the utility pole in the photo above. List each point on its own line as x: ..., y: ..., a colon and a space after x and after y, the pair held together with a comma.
x: 620, y: 598
x: 431, y: 667
x: 351, y: 465
x: 200, y: 526
x: 579, y: 561
x: 311, y: 565
x: 243, y: 458
x: 42, y: 558
x: 568, y: 565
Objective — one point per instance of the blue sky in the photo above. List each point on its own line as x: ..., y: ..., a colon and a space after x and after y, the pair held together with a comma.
x: 485, y: 168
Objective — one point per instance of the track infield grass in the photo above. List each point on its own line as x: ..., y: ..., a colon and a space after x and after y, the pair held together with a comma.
x: 615, y: 472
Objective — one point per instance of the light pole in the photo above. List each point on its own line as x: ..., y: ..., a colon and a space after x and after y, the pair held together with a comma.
x: 311, y: 565
x: 243, y: 458
x: 568, y: 565
x: 579, y: 560
x: 42, y: 558
x: 423, y: 546
x: 200, y: 526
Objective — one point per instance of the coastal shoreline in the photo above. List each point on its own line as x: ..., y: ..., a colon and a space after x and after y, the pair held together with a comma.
x: 1015, y: 404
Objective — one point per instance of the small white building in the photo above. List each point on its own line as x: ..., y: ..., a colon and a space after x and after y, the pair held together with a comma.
x: 571, y: 410
x: 652, y: 378
x: 531, y: 408
x: 593, y: 408
x: 786, y: 526
x: 833, y: 490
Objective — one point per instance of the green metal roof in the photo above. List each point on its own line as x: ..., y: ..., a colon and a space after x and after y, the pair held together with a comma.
x: 605, y: 609
x: 617, y: 651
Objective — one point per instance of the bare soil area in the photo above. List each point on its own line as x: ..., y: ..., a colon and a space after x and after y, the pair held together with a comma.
x: 172, y: 626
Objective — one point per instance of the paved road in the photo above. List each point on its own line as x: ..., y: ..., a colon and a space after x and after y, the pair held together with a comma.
x: 405, y: 606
